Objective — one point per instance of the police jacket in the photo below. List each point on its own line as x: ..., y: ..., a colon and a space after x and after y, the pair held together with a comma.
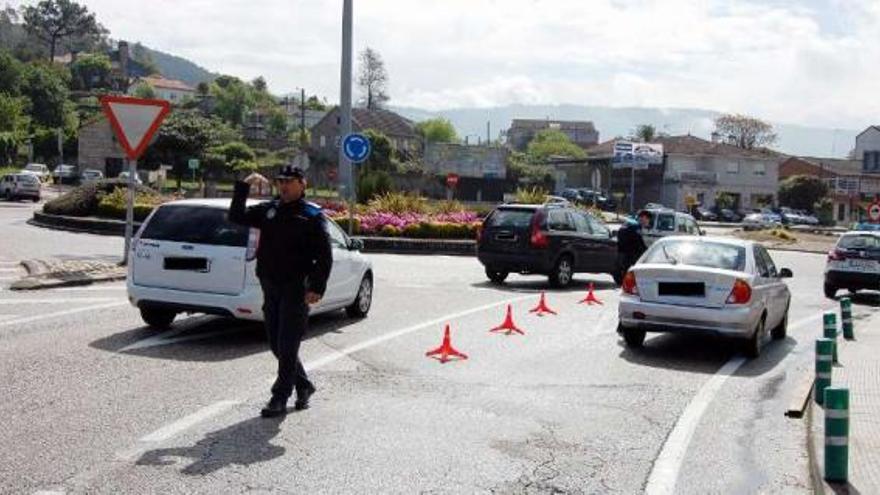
x: 630, y: 241
x: 294, y: 244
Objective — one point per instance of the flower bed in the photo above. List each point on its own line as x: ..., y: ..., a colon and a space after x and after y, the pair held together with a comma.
x: 448, y: 225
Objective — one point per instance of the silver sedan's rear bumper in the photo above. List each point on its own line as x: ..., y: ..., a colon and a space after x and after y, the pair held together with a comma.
x: 729, y: 321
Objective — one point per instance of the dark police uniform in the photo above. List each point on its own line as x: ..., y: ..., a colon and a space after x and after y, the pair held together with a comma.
x: 293, y: 257
x: 630, y: 245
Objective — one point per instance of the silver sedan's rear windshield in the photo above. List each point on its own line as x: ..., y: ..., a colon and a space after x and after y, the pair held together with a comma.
x: 697, y: 253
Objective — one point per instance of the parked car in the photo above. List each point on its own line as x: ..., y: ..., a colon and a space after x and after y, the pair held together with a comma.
x: 573, y: 195
x: 65, y: 174
x: 772, y: 215
x: 89, y: 175
x: 853, y: 264
x: 729, y: 216
x: 654, y: 206
x: 551, y: 239
x: 665, y: 223
x: 20, y: 185
x: 705, y: 214
x: 188, y: 258
x: 717, y: 285
x: 807, y: 218
x: 866, y: 227
x: 598, y: 200
x: 124, y: 176
x: 760, y: 221
x: 38, y: 169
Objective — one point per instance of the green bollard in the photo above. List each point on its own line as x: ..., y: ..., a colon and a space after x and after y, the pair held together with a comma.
x: 830, y: 331
x: 824, y: 348
x: 836, y: 434
x: 846, y: 318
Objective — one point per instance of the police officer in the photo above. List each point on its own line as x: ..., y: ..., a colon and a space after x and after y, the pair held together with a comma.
x: 630, y: 244
x: 293, y: 262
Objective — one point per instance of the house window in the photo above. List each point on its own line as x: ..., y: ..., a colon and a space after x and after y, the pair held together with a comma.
x: 323, y: 141
x: 841, y: 212
x: 760, y: 169
x: 733, y: 168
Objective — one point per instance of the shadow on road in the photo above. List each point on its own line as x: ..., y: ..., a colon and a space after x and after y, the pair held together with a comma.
x: 703, y: 353
x: 541, y: 284
x: 209, y: 338
x: 871, y: 299
x: 242, y: 444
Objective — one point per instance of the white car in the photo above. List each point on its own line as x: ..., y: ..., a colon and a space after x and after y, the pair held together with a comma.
x: 188, y: 258
x: 124, y: 176
x: 665, y: 223
x: 38, y: 169
x: 91, y: 175
x: 717, y: 285
x: 853, y: 264
x: 20, y: 185
x: 760, y: 221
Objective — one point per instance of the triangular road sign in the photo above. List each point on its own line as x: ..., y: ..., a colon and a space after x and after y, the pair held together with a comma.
x: 134, y: 121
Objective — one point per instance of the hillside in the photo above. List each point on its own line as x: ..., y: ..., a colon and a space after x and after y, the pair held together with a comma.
x: 174, y: 67
x: 619, y: 122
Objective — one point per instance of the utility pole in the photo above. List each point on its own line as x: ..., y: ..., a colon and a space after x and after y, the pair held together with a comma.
x: 345, y: 174
x: 488, y: 132
x: 302, y: 117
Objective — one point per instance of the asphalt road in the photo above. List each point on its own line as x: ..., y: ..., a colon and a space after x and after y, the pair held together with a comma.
x: 94, y: 402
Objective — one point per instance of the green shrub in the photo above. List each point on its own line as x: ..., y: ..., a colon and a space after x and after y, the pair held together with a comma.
x: 531, y: 195
x: 391, y: 202
x: 372, y: 184
x: 448, y: 207
x: 389, y: 231
x: 82, y: 201
x: 115, y: 204
x: 343, y: 223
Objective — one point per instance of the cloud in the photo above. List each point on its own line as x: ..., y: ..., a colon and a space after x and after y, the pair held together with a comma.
x: 799, y: 61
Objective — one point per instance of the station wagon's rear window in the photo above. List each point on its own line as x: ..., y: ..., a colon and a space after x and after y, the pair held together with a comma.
x: 195, y: 225
x: 515, y: 218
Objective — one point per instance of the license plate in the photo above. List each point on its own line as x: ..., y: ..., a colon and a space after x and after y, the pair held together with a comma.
x: 684, y: 289
x: 862, y: 265
x: 191, y: 264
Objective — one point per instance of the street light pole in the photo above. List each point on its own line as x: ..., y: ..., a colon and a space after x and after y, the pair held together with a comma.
x: 346, y: 185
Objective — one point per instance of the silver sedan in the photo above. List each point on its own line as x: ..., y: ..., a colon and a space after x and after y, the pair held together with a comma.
x: 716, y: 285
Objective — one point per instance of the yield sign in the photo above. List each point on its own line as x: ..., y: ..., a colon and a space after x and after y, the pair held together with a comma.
x: 134, y: 121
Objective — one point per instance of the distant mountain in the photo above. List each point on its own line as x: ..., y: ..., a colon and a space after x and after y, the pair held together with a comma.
x: 619, y: 122
x: 174, y: 67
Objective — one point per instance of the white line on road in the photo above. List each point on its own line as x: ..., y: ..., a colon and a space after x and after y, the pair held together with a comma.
x: 181, y: 424
x: 5, y: 270
x: 664, y: 474
x: 163, y: 339
x: 90, y: 288
x: 59, y: 300
x: 157, y: 339
x: 62, y: 313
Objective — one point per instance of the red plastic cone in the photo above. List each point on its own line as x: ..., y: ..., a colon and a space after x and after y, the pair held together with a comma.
x: 591, y: 298
x: 508, y: 326
x: 542, y: 309
x: 446, y: 351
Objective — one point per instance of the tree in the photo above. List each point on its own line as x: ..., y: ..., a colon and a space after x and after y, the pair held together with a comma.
x: 11, y: 71
x: 233, y: 99
x: 235, y: 155
x: 91, y: 70
x: 552, y: 142
x: 744, y: 131
x: 203, y: 89
x: 14, y: 124
x: 144, y: 90
x: 46, y: 88
x: 313, y: 103
x: 645, y: 133
x: 521, y: 170
x: 438, y: 130
x: 184, y: 135
x: 373, y: 79
x: 802, y: 192
x: 260, y: 85
x: 142, y: 56
x: 276, y: 121
x: 381, y: 155
x: 54, y: 20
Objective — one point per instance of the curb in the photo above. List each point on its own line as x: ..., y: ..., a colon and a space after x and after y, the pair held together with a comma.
x: 88, y: 225
x: 815, y: 469
x: 39, y: 277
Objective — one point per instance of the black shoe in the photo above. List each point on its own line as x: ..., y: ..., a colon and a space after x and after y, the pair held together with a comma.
x: 302, y: 398
x: 276, y: 407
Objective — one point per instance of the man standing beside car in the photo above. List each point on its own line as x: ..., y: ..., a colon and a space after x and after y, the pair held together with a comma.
x: 293, y: 263
x: 630, y: 244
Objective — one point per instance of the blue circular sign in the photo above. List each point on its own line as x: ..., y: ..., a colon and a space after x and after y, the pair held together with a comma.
x: 356, y: 147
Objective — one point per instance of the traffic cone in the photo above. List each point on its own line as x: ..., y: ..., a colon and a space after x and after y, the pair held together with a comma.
x: 446, y: 351
x: 508, y: 326
x: 542, y: 309
x: 591, y: 297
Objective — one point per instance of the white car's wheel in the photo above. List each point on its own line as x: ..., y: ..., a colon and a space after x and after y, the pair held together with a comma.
x: 364, y: 299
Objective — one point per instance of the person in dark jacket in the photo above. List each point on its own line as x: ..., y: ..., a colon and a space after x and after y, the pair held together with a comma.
x: 293, y: 263
x: 630, y: 244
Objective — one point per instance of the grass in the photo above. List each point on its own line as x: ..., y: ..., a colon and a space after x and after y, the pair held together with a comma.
x: 8, y: 170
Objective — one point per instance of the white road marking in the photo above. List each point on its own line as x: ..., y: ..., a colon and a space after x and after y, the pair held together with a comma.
x: 89, y: 288
x: 8, y: 279
x: 62, y: 313
x: 59, y: 301
x: 151, y: 341
x: 664, y: 474
x: 6, y: 270
x: 160, y: 340
x: 172, y: 429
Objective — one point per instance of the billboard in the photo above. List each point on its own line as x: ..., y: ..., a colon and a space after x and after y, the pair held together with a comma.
x: 628, y: 154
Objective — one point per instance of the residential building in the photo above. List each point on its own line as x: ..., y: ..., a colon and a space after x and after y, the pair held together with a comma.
x: 296, y: 115
x: 98, y: 147
x: 481, y: 170
x: 400, y: 131
x: 695, y: 172
x: 867, y: 149
x: 170, y: 90
x: 522, y: 131
x: 851, y: 188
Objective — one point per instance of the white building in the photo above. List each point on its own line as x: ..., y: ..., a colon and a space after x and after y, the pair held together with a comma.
x: 171, y: 90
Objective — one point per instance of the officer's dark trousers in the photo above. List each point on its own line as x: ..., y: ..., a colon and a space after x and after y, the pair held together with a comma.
x: 286, y: 317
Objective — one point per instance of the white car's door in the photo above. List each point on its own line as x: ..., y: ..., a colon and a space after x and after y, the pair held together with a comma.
x: 773, y: 289
x: 342, y: 284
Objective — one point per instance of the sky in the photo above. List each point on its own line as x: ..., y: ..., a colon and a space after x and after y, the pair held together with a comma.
x: 809, y: 62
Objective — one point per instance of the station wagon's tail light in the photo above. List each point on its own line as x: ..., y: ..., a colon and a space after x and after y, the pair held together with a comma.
x: 836, y: 255
x: 479, y: 232
x: 741, y: 293
x: 253, y: 244
x: 538, y: 239
x: 629, y: 284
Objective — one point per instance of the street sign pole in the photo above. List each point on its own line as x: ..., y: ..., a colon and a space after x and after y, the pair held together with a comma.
x: 346, y: 175
x: 632, y: 188
x: 129, y: 209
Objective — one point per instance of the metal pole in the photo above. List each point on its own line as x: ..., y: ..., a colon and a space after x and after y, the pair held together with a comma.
x: 129, y: 211
x: 302, y: 117
x: 60, y: 146
x: 632, y: 189
x: 346, y: 185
